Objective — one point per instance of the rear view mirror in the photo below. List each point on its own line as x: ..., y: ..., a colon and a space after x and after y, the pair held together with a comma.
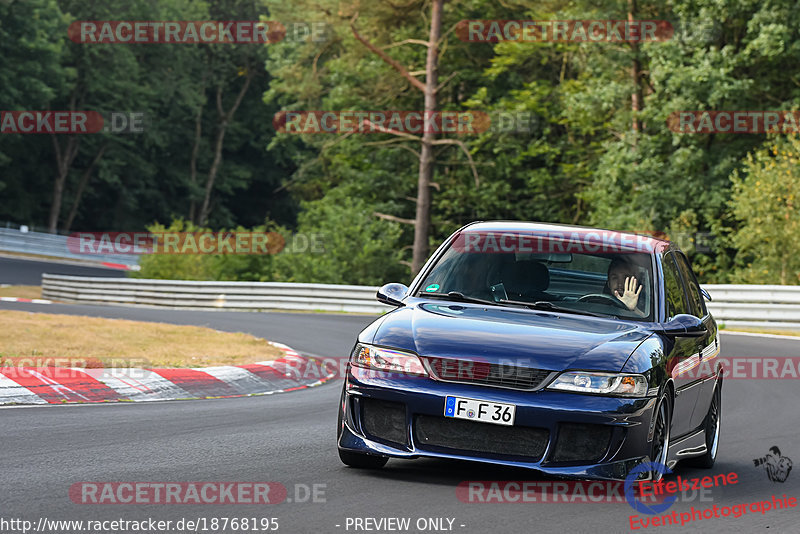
x: 684, y: 325
x: 552, y: 257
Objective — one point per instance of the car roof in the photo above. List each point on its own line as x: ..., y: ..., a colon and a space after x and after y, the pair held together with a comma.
x: 642, y: 242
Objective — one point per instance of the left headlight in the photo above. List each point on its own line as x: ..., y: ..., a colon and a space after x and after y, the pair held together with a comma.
x: 614, y: 384
x: 387, y: 360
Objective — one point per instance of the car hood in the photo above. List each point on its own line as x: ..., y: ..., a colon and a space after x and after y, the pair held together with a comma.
x: 512, y: 336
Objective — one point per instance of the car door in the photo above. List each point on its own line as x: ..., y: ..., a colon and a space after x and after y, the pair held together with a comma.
x: 683, y: 353
x: 707, y: 346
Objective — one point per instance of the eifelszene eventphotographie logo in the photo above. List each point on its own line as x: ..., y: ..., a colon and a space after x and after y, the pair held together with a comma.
x: 777, y: 466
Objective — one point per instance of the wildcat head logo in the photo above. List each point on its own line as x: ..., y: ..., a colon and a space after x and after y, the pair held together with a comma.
x: 778, y: 467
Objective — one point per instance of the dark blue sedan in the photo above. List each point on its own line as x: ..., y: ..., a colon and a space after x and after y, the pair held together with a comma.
x: 574, y: 351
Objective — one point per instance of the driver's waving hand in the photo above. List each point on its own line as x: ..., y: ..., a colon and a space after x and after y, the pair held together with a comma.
x: 622, y: 283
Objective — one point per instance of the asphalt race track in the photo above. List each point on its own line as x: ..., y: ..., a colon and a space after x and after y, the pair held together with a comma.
x: 26, y: 272
x: 290, y: 438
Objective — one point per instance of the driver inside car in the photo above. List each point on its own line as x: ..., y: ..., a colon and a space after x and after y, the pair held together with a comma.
x: 623, y: 285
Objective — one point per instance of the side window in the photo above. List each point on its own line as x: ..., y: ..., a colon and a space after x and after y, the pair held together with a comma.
x: 696, y: 304
x: 673, y: 288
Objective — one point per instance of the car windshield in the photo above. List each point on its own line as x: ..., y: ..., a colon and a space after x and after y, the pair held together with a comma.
x: 616, y: 283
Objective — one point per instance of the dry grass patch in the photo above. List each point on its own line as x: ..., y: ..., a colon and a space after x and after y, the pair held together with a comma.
x: 22, y: 292
x: 64, y: 340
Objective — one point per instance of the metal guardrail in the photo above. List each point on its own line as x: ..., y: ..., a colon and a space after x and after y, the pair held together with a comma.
x: 212, y: 295
x: 732, y: 305
x: 55, y: 246
x: 755, y: 305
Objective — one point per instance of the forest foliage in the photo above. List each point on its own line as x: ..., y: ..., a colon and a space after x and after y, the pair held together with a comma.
x: 585, y: 156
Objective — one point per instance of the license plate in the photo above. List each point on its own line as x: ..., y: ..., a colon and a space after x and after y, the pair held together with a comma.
x: 477, y: 410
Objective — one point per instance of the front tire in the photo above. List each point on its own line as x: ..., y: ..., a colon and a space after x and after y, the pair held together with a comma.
x: 713, y: 424
x: 659, y: 450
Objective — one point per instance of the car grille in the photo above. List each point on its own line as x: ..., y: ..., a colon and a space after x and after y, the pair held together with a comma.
x: 432, y: 432
x: 581, y: 442
x: 486, y: 374
x: 384, y: 420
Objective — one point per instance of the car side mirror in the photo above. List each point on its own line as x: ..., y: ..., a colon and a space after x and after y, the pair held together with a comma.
x: 392, y: 294
x: 684, y: 325
x: 706, y: 295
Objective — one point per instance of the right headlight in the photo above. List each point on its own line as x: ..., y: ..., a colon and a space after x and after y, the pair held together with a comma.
x: 387, y: 360
x: 613, y: 384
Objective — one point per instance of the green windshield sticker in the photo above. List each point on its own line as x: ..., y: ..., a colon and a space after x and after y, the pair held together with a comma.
x: 432, y: 287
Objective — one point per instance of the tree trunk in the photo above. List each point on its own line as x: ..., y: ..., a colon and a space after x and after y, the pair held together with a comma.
x: 422, y: 221
x: 212, y: 173
x: 64, y: 161
x: 198, y: 132
x: 87, y: 174
x: 637, y: 98
x: 225, y: 118
x: 198, y: 136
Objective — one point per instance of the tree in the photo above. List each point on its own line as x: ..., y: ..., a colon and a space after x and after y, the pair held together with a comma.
x: 766, y: 198
x: 357, y: 248
x: 672, y: 178
x: 32, y: 75
x: 107, y: 78
x: 230, y: 70
x: 430, y: 89
x: 357, y: 69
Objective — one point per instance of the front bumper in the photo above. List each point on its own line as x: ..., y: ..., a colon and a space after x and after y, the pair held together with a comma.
x: 624, y: 423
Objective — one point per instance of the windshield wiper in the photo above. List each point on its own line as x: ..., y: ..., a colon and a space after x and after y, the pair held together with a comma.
x: 461, y: 297
x: 549, y: 306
